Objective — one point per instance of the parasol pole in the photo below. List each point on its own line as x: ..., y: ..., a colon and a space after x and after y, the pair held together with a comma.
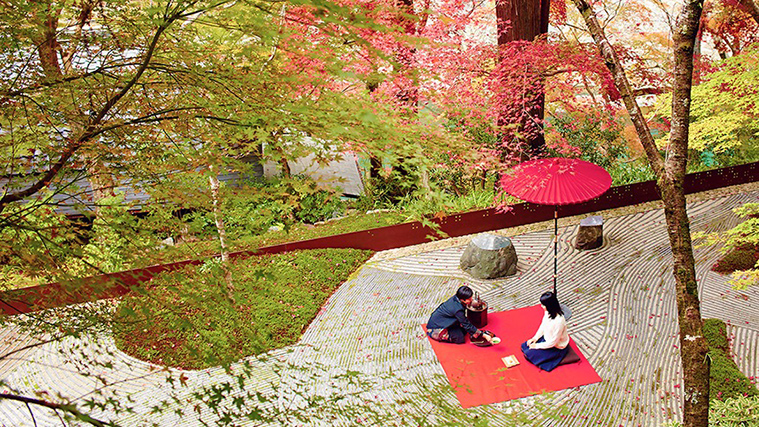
x: 555, y: 246
x: 564, y: 308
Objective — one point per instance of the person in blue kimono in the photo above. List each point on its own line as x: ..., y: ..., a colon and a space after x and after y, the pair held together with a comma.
x: 448, y: 323
x: 549, y: 345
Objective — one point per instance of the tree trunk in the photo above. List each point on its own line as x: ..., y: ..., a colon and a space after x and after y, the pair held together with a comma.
x: 48, y: 49
x: 751, y: 7
x: 670, y: 174
x: 47, y: 44
x: 693, y: 345
x: 424, y: 182
x: 285, y: 165
x: 404, y: 54
x: 521, y: 19
x: 101, y: 180
x: 219, y: 220
x: 622, y: 84
x: 697, y: 52
x: 525, y: 20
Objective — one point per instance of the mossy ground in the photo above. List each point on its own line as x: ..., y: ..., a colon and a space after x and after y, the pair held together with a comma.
x: 185, y: 319
x: 739, y: 258
x: 726, y: 380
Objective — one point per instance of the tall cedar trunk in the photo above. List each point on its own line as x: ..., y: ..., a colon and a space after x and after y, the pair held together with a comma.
x: 670, y: 179
x: 524, y: 20
x: 404, y: 54
x: 751, y: 7
x: 521, y: 19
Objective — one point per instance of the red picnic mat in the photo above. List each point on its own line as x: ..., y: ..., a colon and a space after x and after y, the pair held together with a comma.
x: 479, y: 376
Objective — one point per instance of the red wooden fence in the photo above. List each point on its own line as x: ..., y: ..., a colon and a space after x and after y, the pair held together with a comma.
x: 378, y: 239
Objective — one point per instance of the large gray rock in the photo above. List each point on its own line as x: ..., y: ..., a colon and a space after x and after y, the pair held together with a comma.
x: 591, y: 233
x: 489, y: 256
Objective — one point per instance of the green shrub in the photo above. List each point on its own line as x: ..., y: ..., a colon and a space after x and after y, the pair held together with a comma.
x: 36, y: 224
x: 256, y: 206
x: 319, y: 206
x: 599, y: 139
x: 734, y: 412
x: 742, y: 257
x: 625, y: 171
x: 740, y: 247
x: 597, y: 135
x: 387, y: 190
x: 117, y: 237
x: 723, y: 128
x: 726, y: 380
x: 459, y: 177
x: 34, y: 241
x: 474, y: 199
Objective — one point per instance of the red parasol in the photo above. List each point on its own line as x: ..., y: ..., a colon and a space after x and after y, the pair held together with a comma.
x: 556, y: 181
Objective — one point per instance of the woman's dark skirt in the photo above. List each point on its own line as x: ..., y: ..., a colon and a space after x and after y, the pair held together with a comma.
x: 546, y: 359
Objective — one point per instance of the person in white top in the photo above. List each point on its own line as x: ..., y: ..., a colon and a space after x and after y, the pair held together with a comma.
x: 550, y: 343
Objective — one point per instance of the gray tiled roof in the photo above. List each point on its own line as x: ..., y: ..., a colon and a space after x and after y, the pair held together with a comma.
x: 75, y: 197
x: 342, y: 173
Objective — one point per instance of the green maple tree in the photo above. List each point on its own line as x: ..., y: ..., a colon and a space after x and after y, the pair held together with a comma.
x: 723, y: 119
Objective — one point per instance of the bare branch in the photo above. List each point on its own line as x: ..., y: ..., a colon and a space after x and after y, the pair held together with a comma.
x: 5, y: 95
x: 83, y: 18
x: 26, y: 347
x: 623, y: 85
x: 71, y: 409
